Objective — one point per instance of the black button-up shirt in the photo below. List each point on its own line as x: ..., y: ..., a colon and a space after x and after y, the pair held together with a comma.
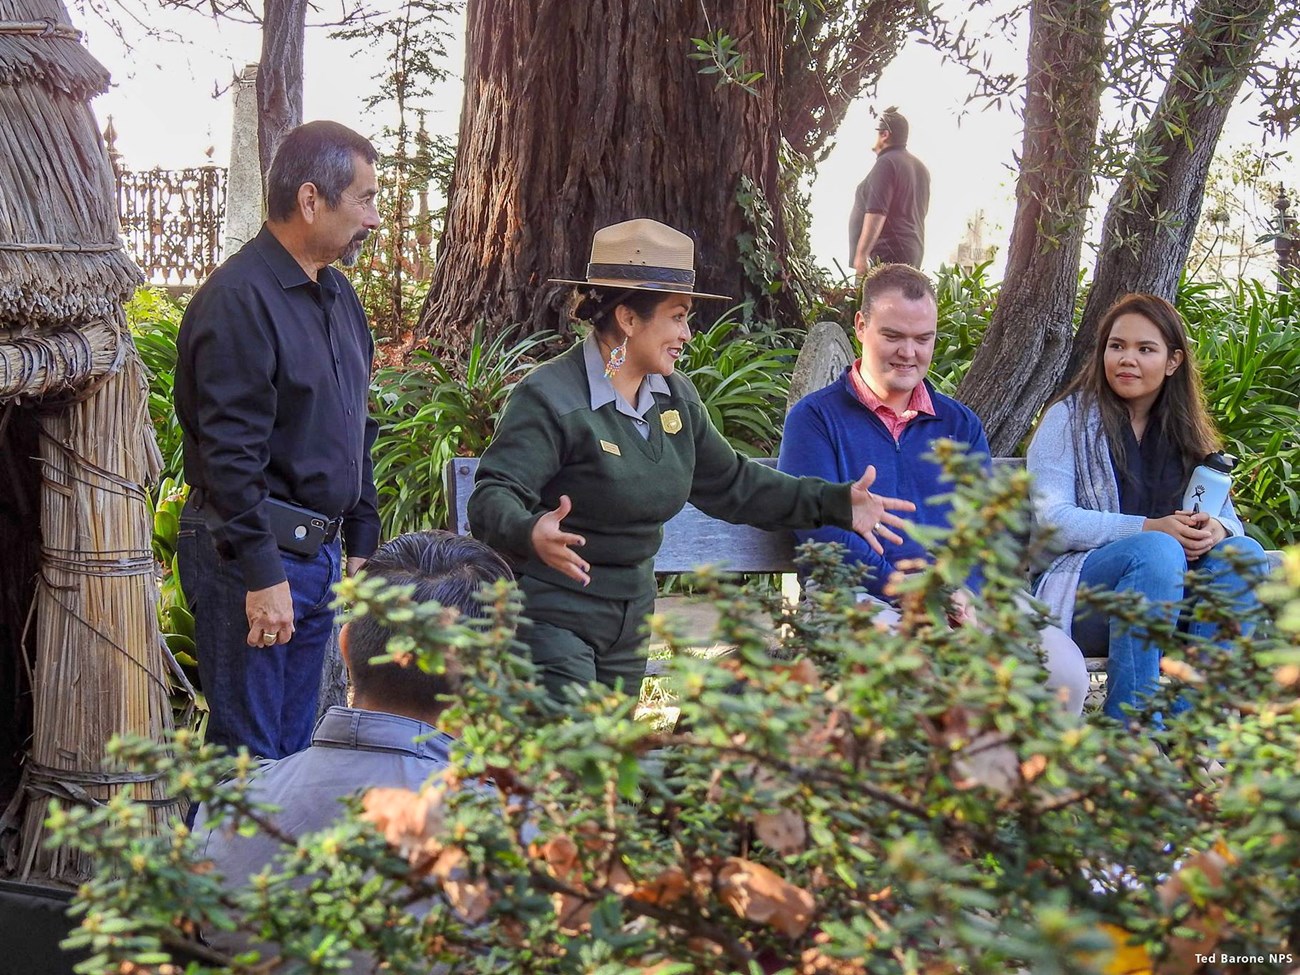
x: 272, y: 383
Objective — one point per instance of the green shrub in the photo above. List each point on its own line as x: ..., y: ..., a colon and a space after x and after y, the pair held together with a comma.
x: 154, y: 318
x: 743, y: 379
x: 1245, y: 344
x: 433, y: 411
x: 883, y: 802
x: 966, y: 302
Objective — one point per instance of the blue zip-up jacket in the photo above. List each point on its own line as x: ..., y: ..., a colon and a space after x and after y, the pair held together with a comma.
x: 830, y: 434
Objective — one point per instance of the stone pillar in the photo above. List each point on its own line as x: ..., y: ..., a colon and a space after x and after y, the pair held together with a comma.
x: 1286, y: 244
x: 244, y: 197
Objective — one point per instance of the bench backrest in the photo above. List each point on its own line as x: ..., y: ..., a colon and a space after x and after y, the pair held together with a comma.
x: 691, y: 539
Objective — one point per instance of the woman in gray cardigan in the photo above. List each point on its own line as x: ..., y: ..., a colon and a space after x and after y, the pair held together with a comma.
x: 1110, y: 459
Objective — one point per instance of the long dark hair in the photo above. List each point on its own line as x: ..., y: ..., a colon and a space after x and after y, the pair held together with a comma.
x: 1179, y: 405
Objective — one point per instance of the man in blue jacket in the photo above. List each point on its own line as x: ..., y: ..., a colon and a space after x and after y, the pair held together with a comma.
x: 883, y: 411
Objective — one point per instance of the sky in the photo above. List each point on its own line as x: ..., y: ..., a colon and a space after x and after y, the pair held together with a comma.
x: 168, y: 109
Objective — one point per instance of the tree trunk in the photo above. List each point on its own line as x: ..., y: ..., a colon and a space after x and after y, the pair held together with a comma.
x: 578, y: 115
x: 1025, y: 346
x: 279, y: 75
x: 1152, y: 218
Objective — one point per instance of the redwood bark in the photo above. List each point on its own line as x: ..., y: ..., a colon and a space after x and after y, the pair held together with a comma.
x: 1028, y: 339
x: 1147, y: 233
x: 279, y: 75
x: 578, y: 115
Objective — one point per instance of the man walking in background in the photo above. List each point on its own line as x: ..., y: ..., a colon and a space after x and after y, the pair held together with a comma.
x: 272, y: 387
x: 887, y: 222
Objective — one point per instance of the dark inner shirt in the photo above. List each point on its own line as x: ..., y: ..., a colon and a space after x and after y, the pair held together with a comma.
x: 1152, y: 481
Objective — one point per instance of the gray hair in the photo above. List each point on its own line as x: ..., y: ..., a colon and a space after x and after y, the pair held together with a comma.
x: 321, y: 153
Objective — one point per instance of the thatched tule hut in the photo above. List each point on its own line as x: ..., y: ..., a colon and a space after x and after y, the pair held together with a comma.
x: 80, y: 655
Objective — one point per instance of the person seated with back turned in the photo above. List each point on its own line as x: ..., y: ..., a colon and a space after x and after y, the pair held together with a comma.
x: 389, y: 737
x: 884, y: 412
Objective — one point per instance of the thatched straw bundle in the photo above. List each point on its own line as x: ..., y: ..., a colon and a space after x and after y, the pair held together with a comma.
x: 37, y: 363
x: 61, y: 259
x: 100, y: 667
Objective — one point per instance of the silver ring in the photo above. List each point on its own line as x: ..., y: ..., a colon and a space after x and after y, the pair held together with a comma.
x: 875, y: 526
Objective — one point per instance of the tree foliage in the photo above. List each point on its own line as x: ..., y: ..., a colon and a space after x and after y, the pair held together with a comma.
x: 1033, y: 323
x: 1172, y: 70
x: 1146, y: 235
x: 910, y: 802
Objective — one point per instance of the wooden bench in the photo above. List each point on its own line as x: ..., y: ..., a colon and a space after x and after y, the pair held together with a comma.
x: 691, y: 539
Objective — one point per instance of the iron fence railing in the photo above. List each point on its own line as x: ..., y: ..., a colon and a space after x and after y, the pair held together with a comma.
x: 171, y: 221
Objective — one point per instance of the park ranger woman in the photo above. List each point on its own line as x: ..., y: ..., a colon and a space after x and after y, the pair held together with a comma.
x: 598, y: 448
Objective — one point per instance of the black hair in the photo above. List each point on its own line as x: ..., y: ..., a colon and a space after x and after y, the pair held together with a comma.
x: 442, y: 567
x: 321, y: 153
x: 596, y: 305
x: 895, y: 123
x: 1180, y: 403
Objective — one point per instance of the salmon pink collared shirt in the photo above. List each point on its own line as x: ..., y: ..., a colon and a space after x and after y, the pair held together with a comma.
x: 894, y: 422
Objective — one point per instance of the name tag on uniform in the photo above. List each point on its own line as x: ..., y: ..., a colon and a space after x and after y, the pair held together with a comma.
x: 610, y: 448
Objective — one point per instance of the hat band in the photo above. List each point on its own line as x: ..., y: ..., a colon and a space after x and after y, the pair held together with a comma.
x: 641, y: 272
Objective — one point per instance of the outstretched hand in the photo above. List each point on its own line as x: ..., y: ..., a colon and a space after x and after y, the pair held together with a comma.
x: 553, y: 544
x: 872, y: 513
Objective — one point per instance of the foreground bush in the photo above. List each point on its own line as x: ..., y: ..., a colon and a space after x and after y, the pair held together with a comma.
x: 910, y: 802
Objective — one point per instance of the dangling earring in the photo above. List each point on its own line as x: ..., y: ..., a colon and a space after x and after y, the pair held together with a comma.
x: 617, y: 356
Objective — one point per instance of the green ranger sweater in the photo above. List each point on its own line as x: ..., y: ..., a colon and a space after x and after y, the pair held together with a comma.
x: 623, y: 488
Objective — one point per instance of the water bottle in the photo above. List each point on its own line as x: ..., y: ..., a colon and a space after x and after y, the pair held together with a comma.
x: 1208, y: 488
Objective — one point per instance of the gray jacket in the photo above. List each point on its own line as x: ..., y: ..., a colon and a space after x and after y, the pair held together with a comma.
x: 1076, y: 496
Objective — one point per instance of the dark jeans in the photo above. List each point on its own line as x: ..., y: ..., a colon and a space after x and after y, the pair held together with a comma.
x: 263, y: 698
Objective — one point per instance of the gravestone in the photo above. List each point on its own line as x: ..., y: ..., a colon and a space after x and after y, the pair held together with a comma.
x: 826, y: 353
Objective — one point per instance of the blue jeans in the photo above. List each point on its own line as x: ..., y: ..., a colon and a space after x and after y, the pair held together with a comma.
x: 263, y: 698
x: 1154, y: 564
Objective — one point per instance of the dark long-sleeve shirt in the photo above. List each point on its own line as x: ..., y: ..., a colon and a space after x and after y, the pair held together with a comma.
x: 272, y: 381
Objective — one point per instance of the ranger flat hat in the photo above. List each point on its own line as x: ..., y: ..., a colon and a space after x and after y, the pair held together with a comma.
x: 642, y: 255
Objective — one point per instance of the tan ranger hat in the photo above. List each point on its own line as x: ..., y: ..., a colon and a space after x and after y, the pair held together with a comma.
x: 642, y: 255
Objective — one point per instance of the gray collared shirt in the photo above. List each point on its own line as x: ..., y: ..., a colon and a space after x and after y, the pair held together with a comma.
x: 351, y: 750
x: 603, y: 391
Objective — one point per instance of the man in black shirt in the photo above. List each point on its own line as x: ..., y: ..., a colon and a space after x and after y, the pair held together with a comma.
x: 272, y: 378
x: 887, y: 222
